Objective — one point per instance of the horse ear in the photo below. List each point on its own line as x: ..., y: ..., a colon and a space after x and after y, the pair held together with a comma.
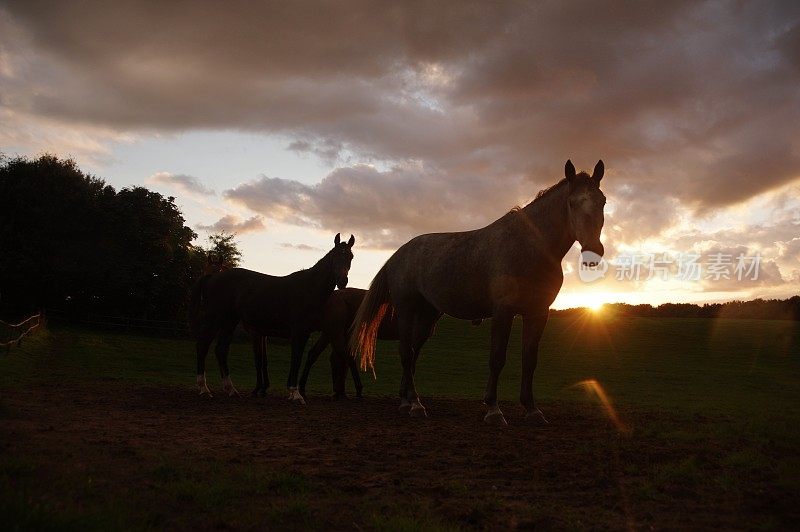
x: 599, y: 169
x: 351, y: 241
x: 337, y: 239
x: 569, y: 170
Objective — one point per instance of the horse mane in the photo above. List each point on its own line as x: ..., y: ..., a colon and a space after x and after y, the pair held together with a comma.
x: 324, y: 259
x: 547, y: 191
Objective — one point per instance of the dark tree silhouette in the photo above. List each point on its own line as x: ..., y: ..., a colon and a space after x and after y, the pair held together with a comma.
x: 224, y: 251
x: 69, y: 241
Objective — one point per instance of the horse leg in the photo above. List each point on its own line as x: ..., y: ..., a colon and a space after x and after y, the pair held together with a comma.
x: 532, y: 329
x: 313, y: 354
x: 424, y: 322
x: 259, y: 357
x: 264, y: 364
x: 339, y: 357
x: 221, y: 350
x: 351, y: 361
x: 201, y: 346
x: 298, y: 346
x: 405, y: 325
x: 501, y: 329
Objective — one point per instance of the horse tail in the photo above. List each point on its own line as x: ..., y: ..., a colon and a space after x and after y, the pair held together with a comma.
x: 364, y: 332
x: 195, y: 303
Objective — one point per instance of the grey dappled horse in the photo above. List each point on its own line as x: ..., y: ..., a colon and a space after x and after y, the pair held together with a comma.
x: 510, y: 267
x: 289, y: 306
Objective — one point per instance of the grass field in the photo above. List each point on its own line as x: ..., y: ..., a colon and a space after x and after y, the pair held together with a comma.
x: 104, y: 429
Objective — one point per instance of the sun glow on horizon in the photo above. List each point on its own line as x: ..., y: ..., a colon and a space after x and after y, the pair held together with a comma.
x: 595, y: 306
x: 594, y: 301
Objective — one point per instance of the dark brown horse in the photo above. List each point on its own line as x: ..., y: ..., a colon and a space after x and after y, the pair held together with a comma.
x: 510, y: 267
x: 337, y: 318
x: 290, y: 305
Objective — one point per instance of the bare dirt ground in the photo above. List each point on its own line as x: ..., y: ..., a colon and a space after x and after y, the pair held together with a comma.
x: 163, y: 457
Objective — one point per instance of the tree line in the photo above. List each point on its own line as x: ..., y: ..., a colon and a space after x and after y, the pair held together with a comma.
x: 72, y: 243
x: 762, y: 309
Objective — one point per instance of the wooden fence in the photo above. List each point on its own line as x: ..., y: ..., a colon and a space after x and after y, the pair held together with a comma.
x: 11, y: 334
x: 123, y: 323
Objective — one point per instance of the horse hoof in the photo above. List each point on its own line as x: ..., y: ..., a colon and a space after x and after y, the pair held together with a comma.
x: 405, y: 407
x: 295, y: 397
x: 417, y: 410
x: 255, y: 393
x: 536, y: 418
x: 495, y: 418
x: 205, y: 391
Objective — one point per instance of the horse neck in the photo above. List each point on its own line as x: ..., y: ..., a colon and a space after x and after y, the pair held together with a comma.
x: 320, y: 278
x: 548, y: 220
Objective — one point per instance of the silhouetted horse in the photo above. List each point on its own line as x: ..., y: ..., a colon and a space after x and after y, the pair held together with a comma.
x: 337, y: 318
x: 291, y: 305
x: 510, y: 267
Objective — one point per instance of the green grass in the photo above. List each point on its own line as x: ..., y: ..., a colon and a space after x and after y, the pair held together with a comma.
x: 742, y: 368
x: 725, y: 391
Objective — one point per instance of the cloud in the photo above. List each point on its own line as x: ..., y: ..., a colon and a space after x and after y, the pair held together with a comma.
x: 651, y: 87
x: 301, y: 247
x: 233, y: 224
x: 385, y: 208
x: 440, y: 116
x: 181, y: 182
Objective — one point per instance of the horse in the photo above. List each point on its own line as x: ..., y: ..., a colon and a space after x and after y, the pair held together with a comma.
x: 510, y: 267
x: 264, y: 304
x: 337, y: 318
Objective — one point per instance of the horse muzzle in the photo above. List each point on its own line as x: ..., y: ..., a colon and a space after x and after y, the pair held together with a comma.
x: 591, y: 255
x: 341, y: 282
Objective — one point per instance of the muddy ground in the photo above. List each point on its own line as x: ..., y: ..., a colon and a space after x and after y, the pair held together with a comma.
x: 106, y: 453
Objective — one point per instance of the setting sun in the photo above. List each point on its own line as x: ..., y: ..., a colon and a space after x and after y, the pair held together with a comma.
x: 593, y: 302
x: 595, y: 306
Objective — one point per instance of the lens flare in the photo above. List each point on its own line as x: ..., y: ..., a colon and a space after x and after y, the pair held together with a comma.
x: 592, y: 386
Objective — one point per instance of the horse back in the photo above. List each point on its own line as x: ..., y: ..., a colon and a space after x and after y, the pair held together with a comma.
x: 467, y: 274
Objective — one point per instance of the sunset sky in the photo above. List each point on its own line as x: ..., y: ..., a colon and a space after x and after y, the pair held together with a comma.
x: 292, y: 121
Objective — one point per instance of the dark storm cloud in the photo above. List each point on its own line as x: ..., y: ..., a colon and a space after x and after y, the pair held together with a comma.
x: 692, y: 104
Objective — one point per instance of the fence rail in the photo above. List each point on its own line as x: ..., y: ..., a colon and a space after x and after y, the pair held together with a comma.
x: 122, y: 323
x: 13, y: 333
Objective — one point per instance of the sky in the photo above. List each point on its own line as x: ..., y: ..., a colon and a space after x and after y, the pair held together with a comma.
x: 289, y: 122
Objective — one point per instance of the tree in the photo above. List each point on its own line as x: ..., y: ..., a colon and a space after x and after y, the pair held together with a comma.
x: 71, y: 242
x: 224, y: 252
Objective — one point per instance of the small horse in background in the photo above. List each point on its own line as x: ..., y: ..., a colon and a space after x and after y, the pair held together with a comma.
x: 337, y: 318
x: 510, y: 267
x: 264, y: 304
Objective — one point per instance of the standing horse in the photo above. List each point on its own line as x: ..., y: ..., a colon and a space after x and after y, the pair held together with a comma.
x: 510, y: 267
x: 337, y: 318
x: 264, y: 304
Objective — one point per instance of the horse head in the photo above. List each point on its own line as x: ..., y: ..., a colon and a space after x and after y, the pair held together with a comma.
x: 585, y: 209
x: 341, y: 257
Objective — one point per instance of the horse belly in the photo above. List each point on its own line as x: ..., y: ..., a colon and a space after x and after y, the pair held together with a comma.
x: 462, y: 304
